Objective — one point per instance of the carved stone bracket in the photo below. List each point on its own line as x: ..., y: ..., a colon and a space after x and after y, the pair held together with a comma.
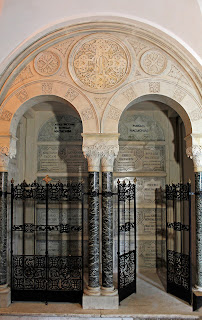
x: 195, y: 153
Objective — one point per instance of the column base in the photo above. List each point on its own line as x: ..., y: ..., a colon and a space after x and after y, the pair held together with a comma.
x: 100, y: 302
x: 89, y: 291
x: 197, y: 298
x: 5, y: 296
x: 109, y: 291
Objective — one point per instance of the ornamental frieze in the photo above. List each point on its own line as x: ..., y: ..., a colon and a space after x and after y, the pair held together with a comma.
x: 99, y: 62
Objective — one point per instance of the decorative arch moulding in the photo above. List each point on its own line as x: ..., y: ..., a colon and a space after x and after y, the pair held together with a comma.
x: 20, y: 100
x: 117, y: 30
x: 181, y: 100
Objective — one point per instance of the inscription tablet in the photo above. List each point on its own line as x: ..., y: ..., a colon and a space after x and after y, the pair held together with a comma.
x: 145, y: 187
x: 68, y: 159
x: 140, y: 128
x: 140, y: 158
x: 61, y: 128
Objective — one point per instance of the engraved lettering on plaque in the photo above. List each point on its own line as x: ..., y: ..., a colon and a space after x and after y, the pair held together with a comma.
x: 140, y: 128
x: 140, y: 158
x: 146, y: 254
x: 61, y: 159
x: 61, y: 128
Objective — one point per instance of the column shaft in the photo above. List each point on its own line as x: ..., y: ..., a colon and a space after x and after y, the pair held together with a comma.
x: 3, y: 227
x: 107, y: 230
x: 198, y: 210
x: 93, y: 223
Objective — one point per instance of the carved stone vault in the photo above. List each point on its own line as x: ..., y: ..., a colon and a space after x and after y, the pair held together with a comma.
x: 101, y: 73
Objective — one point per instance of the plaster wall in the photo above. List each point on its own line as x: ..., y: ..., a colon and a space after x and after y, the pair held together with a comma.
x: 24, y: 21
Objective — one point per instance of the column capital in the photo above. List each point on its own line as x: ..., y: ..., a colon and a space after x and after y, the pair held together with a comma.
x: 7, y: 151
x: 91, y: 153
x: 100, y: 147
x: 4, y: 158
x: 109, y: 153
x: 194, y: 150
x: 195, y: 153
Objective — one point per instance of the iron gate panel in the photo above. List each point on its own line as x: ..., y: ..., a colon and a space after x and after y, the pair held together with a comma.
x: 126, y: 239
x: 41, y: 272
x: 178, y: 230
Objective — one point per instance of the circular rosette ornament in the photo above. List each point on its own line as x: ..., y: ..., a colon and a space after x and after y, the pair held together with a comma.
x: 99, y: 63
x: 47, y: 63
x: 153, y: 62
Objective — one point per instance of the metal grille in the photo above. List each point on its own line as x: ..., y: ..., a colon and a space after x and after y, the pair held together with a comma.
x: 45, y: 264
x: 178, y: 230
x: 126, y: 239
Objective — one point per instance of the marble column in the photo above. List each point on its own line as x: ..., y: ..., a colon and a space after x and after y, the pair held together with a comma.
x: 198, y: 213
x: 107, y: 232
x: 5, y: 298
x: 107, y: 219
x: 92, y: 155
x: 195, y: 153
x: 93, y: 233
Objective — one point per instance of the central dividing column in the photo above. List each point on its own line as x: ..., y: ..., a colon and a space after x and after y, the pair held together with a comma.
x: 107, y: 220
x: 96, y: 147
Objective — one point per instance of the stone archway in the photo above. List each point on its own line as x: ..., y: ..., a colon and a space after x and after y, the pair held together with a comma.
x: 100, y: 68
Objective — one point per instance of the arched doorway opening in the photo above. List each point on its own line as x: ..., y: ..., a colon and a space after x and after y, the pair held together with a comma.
x: 152, y: 149
x: 47, y: 217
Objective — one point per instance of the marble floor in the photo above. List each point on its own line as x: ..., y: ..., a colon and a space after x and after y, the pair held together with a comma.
x: 150, y: 302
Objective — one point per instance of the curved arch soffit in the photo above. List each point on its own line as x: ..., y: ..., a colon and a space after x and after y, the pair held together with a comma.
x: 138, y: 91
x: 31, y: 94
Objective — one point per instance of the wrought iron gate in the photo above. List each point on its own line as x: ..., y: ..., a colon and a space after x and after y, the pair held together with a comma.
x: 178, y: 231
x: 45, y: 222
x: 126, y: 239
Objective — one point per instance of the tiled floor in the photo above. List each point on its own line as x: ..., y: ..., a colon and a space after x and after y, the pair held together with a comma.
x: 150, y: 302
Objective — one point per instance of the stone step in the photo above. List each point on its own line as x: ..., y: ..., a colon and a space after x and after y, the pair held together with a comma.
x: 101, y: 317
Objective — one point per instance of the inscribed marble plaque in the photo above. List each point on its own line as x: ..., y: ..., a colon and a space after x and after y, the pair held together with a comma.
x: 140, y: 128
x: 140, y: 158
x: 68, y: 159
x: 59, y: 248
x: 60, y: 215
x: 61, y: 128
x: 56, y: 216
x: 145, y: 187
x: 146, y: 254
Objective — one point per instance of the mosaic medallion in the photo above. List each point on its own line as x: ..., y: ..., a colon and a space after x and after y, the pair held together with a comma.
x: 153, y: 62
x: 47, y: 63
x: 99, y: 62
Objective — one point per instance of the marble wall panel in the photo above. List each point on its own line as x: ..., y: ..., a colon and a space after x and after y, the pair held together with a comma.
x: 140, y: 127
x: 69, y: 215
x: 145, y: 188
x: 140, y: 158
x: 61, y: 128
x: 61, y: 248
x: 67, y: 159
x: 146, y: 254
